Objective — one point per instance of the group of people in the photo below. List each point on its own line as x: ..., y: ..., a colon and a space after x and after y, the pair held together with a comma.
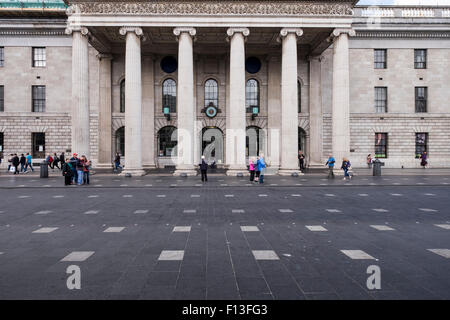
x: 257, y: 168
x: 24, y: 161
x: 76, y: 170
x: 346, y: 166
x: 423, y: 160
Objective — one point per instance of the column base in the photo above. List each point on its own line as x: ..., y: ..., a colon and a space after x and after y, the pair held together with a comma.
x: 237, y: 172
x: 185, y: 172
x: 133, y: 172
x: 289, y: 172
x: 149, y: 166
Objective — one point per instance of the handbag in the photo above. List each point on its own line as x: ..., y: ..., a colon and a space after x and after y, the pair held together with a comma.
x: 12, y: 169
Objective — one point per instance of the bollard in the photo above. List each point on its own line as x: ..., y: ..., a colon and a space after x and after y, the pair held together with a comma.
x: 44, y: 169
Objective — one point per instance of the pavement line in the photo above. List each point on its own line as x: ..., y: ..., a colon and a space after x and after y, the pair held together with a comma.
x: 91, y: 212
x: 44, y: 230
x: 382, y: 227
x: 237, y: 211
x: 141, y: 211
x: 127, y: 196
x: 296, y: 195
x: 189, y: 211
x: 333, y: 210
x: 427, y: 210
x: 285, y: 210
x: 363, y: 195
x: 249, y: 228
x: 182, y: 229
x: 58, y: 196
x: 265, y: 255
x: 43, y: 212
x: 357, y: 254
x: 93, y: 196
x: 443, y: 226
x: 380, y: 210
x: 330, y: 195
x: 78, y: 256
x: 171, y: 255
x: 114, y: 229
x: 262, y: 195
x: 316, y: 228
x: 229, y: 196
x: 161, y: 196
x: 195, y: 196
x: 442, y: 252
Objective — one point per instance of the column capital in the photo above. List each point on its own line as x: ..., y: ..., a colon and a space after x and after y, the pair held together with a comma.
x: 285, y: 31
x: 137, y: 30
x: 83, y: 30
x: 104, y: 56
x: 231, y: 31
x: 178, y: 31
x: 337, y: 32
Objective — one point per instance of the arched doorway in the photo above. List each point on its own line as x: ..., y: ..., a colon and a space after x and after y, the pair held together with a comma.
x: 167, y: 141
x: 120, y: 141
x: 212, y: 145
x: 302, y: 140
x: 254, y: 141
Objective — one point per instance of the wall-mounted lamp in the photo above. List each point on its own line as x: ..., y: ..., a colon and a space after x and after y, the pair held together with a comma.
x: 255, y: 112
x: 166, y: 111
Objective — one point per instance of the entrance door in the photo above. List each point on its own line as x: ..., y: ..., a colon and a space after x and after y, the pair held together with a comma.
x: 212, y: 144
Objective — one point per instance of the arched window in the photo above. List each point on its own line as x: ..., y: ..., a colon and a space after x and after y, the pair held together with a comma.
x: 167, y: 141
x: 254, y: 141
x: 120, y: 141
x: 299, y: 93
x: 251, y: 95
x: 169, y: 91
x: 211, y: 93
x: 122, y: 96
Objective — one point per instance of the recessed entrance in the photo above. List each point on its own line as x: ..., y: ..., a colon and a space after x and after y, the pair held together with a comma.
x: 212, y: 144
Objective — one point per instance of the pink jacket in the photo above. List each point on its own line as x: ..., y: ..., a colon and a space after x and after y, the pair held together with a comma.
x: 251, y: 166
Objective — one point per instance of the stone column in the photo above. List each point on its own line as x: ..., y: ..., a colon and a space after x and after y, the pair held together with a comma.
x: 104, y: 113
x: 315, y: 112
x: 148, y: 113
x: 185, y: 102
x: 80, y: 91
x: 273, y: 114
x: 133, y: 102
x: 341, y: 95
x: 235, y: 135
x: 289, y: 102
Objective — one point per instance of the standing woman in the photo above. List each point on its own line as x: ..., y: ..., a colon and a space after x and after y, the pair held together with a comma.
x: 423, y: 158
x: 369, y: 161
x: 257, y: 172
x: 251, y: 168
x: 67, y: 172
x: 345, y: 166
x: 86, y: 168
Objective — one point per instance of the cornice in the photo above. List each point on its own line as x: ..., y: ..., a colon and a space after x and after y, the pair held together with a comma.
x: 60, y: 32
x: 403, y: 34
x: 213, y: 8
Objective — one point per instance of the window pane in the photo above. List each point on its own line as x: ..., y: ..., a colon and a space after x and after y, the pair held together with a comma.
x: 251, y: 95
x: 38, y: 141
x: 380, y: 145
x: 380, y: 58
x: 380, y: 99
x: 420, y: 58
x: 2, y: 56
x: 39, y: 57
x: 211, y: 93
x: 421, y: 99
x: 170, y: 95
x: 2, y: 98
x: 167, y: 141
x: 421, y: 143
x: 38, y: 97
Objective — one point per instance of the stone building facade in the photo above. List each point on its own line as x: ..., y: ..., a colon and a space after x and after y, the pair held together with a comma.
x: 236, y: 78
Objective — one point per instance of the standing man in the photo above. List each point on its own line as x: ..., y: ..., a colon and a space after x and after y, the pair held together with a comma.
x: 29, y: 163
x: 23, y: 161
x: 261, y: 168
x: 204, y: 169
x: 330, y: 164
x: 15, y: 162
x: 74, y: 162
x: 301, y: 160
x: 62, y: 159
x: 117, y: 162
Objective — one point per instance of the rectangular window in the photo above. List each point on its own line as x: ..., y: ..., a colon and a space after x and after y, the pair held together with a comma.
x: 380, y: 99
x: 421, y: 143
x: 381, y: 145
x: 420, y: 59
x: 39, y: 59
x: 38, y: 144
x: 421, y: 99
x: 2, y: 98
x: 38, y: 98
x: 380, y: 58
x: 2, y: 56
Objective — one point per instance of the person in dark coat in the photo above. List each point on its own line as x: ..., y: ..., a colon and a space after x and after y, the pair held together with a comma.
x: 62, y: 159
x: 67, y: 172
x: 74, y: 162
x: 204, y: 169
x: 15, y: 162
x: 23, y: 161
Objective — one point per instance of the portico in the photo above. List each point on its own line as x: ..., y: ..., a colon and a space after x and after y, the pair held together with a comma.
x: 210, y: 41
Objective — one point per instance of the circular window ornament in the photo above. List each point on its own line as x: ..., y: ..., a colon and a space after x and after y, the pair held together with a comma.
x: 169, y: 64
x: 252, y: 65
x: 211, y: 112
